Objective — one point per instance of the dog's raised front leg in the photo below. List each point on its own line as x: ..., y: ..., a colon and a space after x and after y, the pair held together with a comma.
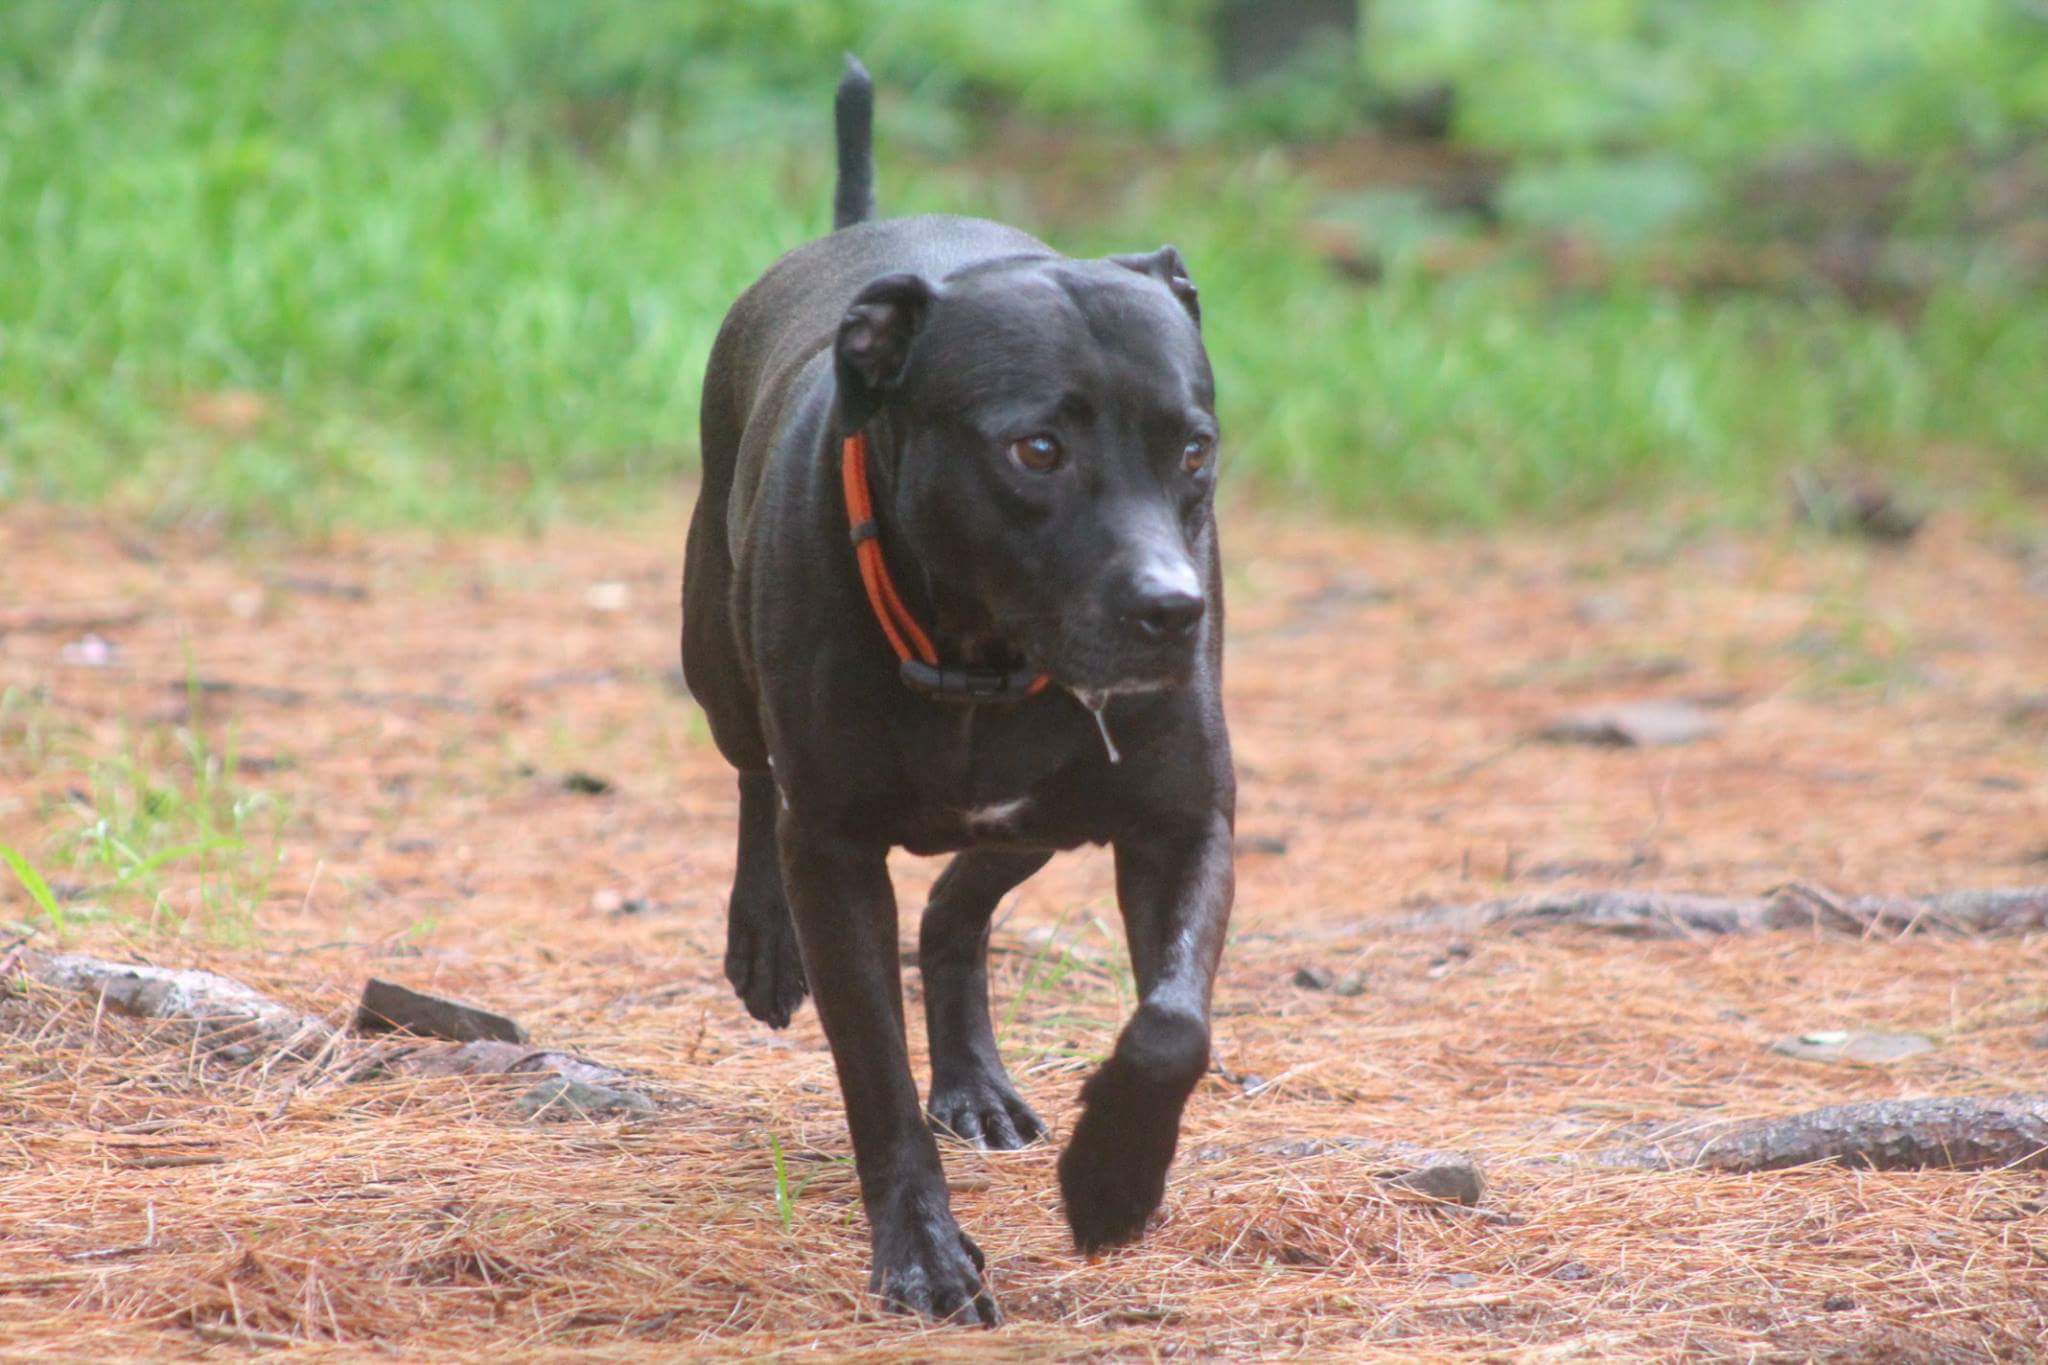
x: 972, y: 1096
x: 845, y: 912
x: 1175, y: 892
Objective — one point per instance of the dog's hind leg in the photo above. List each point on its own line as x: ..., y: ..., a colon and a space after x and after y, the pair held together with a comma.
x: 1175, y: 892
x: 972, y: 1096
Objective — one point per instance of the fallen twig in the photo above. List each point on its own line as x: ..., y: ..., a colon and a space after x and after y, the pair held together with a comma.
x: 59, y: 1279
x: 108, y: 1253
x: 159, y: 1161
x: 242, y: 1336
x: 312, y: 585
x: 294, y: 696
x: 80, y: 619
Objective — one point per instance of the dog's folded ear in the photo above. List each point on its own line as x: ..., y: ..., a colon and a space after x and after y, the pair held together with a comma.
x: 1166, y: 266
x: 874, y: 340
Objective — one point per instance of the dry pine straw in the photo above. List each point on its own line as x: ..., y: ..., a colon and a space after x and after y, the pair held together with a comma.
x: 423, y: 1217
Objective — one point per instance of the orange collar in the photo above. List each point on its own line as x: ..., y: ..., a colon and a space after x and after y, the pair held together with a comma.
x: 917, y: 659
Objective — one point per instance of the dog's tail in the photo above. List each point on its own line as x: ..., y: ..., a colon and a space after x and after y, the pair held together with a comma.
x: 854, y: 114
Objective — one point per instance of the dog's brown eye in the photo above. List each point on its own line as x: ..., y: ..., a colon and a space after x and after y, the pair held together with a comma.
x: 1039, y: 454
x: 1194, y: 456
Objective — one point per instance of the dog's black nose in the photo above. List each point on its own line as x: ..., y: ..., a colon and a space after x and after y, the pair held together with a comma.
x: 1168, y: 611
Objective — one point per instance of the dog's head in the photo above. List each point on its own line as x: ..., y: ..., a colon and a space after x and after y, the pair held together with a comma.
x: 1051, y: 434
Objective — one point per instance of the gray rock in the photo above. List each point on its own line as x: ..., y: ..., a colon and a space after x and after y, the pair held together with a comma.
x: 1601, y: 609
x: 1451, y: 1177
x: 388, y: 1006
x: 1855, y: 1049
x: 1634, y: 724
x: 1855, y: 502
x: 558, y: 1097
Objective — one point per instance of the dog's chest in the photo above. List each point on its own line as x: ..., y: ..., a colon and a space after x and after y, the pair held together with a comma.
x: 992, y: 778
x: 997, y: 818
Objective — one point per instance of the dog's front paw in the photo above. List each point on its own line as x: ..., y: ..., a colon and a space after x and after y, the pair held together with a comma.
x: 761, y: 958
x: 984, y: 1110
x: 927, y: 1266
x: 1113, y: 1173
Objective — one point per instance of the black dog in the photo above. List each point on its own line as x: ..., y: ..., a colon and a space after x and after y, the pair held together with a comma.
x: 952, y: 585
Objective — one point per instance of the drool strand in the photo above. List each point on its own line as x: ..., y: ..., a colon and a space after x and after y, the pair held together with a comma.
x: 1097, y: 703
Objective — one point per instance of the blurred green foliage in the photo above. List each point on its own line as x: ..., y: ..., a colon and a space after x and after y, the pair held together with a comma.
x: 434, y: 260
x: 1727, y: 80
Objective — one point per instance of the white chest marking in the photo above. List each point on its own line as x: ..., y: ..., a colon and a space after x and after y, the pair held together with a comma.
x: 996, y: 815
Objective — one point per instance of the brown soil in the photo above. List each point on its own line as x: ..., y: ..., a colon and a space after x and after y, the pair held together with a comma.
x: 1884, y: 728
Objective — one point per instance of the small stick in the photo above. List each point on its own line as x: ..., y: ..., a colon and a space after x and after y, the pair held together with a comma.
x: 245, y: 1336
x: 160, y: 1161
x: 107, y: 1253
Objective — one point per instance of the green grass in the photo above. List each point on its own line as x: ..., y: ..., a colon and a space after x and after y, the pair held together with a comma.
x: 788, y: 1192
x: 37, y: 888
x: 465, y: 260
x: 785, y: 1200
x: 160, y: 833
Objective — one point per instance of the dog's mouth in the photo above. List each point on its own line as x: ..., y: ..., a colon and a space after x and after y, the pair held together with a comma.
x: 1102, y: 678
x: 1095, y: 701
x: 1096, y: 690
x: 1086, y: 663
x: 1099, y: 694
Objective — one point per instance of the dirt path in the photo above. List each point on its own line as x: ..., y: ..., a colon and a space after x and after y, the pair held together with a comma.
x: 404, y: 714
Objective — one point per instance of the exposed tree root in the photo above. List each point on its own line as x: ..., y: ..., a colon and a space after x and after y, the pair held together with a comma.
x: 223, y: 1012
x: 1665, y: 914
x: 234, y: 1022
x: 1885, y: 1135
x: 487, y: 1057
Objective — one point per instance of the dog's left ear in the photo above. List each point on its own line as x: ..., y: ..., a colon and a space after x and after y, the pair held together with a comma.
x: 1166, y: 266
x: 873, y: 344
